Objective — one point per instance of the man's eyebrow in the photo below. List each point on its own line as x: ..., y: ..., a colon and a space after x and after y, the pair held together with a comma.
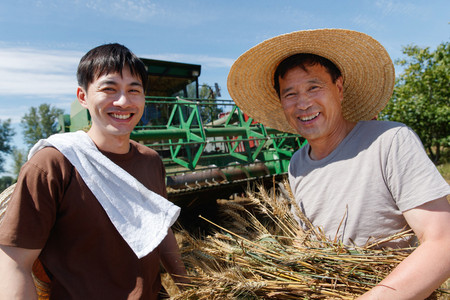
x: 286, y: 90
x: 107, y: 82
x: 112, y: 82
x: 136, y: 83
x: 315, y: 80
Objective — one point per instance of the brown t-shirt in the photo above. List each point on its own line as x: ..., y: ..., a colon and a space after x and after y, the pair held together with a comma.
x: 84, y: 255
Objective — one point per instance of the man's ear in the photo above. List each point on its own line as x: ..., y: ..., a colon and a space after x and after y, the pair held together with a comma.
x: 340, y: 85
x: 82, y: 96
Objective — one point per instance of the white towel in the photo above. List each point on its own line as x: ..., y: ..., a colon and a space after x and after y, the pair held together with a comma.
x: 141, y: 216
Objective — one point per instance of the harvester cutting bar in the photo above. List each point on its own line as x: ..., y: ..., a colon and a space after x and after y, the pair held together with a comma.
x: 158, y: 134
x: 214, y: 176
x: 208, y: 141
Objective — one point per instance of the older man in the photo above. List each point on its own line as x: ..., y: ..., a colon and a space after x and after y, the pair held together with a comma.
x: 358, y: 179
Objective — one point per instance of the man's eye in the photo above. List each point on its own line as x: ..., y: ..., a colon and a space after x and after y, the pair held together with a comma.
x: 289, y: 95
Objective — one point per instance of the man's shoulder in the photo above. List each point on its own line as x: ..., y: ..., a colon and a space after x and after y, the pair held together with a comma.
x: 299, y: 157
x: 48, y: 155
x: 381, y: 125
x: 47, y: 162
x: 375, y: 130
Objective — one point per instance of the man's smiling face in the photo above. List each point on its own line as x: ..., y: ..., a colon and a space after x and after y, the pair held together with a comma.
x: 312, y: 101
x: 115, y: 102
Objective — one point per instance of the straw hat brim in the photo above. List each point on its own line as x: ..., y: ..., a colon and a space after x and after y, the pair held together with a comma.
x: 367, y: 71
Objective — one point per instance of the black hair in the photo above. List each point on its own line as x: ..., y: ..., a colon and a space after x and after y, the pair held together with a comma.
x: 106, y: 59
x: 303, y: 60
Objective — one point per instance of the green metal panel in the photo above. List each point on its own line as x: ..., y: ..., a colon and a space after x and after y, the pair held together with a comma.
x: 171, y: 69
x: 185, y: 136
x: 169, y: 78
x: 79, y: 117
x: 188, y: 116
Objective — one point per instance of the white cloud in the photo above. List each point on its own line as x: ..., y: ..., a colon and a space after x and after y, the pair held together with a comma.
x: 203, y: 60
x: 28, y: 71
x: 30, y: 77
x: 35, y: 72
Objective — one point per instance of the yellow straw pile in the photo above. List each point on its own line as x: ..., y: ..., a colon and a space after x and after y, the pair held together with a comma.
x: 261, y: 253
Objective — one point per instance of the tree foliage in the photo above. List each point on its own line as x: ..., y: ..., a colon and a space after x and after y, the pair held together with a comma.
x: 19, y: 158
x: 421, y: 97
x: 6, y: 134
x: 5, y: 181
x: 39, y: 123
x: 209, y: 112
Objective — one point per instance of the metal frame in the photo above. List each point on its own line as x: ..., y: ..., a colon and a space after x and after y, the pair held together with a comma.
x: 186, y: 137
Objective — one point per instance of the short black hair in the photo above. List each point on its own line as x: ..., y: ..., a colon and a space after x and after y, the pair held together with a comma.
x: 106, y: 59
x: 303, y: 60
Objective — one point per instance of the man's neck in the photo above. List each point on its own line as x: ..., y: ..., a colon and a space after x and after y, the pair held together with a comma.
x: 112, y: 143
x: 321, y: 148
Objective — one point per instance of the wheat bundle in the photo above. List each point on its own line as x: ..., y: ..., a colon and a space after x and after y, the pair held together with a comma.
x: 260, y: 252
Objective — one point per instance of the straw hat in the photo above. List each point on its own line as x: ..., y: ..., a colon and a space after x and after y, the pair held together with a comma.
x: 365, y: 65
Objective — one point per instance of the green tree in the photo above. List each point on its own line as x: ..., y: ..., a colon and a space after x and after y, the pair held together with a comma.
x: 5, y: 181
x: 19, y: 158
x: 209, y: 111
x: 6, y: 134
x: 421, y: 97
x: 39, y: 123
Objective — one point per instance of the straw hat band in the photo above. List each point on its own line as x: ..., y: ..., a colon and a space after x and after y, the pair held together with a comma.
x: 365, y: 65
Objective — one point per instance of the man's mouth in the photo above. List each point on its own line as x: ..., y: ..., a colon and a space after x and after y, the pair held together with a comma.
x: 121, y: 116
x: 309, y: 118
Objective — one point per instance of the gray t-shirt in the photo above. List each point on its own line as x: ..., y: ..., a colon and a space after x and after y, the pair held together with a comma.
x: 359, y: 191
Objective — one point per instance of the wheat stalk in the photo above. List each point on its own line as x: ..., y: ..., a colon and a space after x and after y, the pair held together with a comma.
x: 261, y: 253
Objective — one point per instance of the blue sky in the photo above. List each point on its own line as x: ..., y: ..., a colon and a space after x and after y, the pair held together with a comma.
x: 41, y: 41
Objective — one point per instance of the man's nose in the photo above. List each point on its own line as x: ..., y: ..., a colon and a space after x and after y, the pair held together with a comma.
x: 122, y: 100
x: 303, y: 101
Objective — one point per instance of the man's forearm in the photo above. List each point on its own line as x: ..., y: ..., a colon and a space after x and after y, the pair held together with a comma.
x: 17, y: 286
x: 16, y: 281
x: 417, y: 276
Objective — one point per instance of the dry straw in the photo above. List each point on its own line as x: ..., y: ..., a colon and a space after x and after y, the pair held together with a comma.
x: 365, y: 65
x: 273, y: 258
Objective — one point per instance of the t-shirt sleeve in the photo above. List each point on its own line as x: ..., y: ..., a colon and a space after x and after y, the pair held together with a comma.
x: 31, y: 211
x: 412, y: 177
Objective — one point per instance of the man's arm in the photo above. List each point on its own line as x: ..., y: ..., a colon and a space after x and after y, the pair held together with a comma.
x: 15, y: 273
x: 171, y: 258
x: 429, y: 265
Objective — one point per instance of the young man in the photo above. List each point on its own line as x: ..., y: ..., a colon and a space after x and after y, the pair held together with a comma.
x: 358, y: 179
x: 91, y: 205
